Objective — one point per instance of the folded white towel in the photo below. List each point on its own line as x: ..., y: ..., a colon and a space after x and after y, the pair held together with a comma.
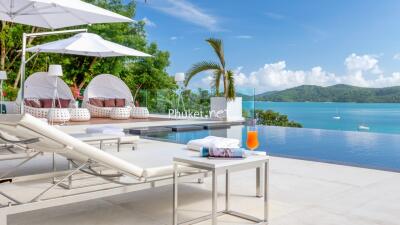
x: 213, y: 141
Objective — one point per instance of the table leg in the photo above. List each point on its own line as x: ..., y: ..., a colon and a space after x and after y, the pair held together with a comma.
x: 101, y: 144
x: 259, y: 176
x: 118, y: 144
x: 175, y: 197
x: 214, y: 198
x: 227, y: 190
x: 266, y: 191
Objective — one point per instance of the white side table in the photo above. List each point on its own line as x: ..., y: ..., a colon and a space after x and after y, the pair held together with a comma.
x: 58, y: 115
x: 140, y: 113
x: 79, y: 114
x: 120, y: 113
x: 218, y: 167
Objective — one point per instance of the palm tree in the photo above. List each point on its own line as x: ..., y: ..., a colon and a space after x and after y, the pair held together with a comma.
x: 218, y: 68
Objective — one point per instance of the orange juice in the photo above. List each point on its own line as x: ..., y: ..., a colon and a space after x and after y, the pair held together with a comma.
x: 252, y: 140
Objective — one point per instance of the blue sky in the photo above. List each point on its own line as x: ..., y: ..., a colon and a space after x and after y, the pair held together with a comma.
x: 277, y: 44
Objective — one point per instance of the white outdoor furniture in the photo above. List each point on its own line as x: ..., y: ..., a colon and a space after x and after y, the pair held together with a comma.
x: 41, y: 86
x: 79, y: 114
x: 140, y: 113
x: 107, y: 86
x: 58, y: 115
x: 37, y: 112
x: 119, y: 140
x: 223, y: 167
x: 120, y: 113
x: 111, y: 173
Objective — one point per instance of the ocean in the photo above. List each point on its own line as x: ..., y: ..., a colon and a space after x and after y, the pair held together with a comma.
x: 378, y: 117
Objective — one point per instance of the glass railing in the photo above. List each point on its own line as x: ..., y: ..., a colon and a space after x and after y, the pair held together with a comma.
x: 192, y: 103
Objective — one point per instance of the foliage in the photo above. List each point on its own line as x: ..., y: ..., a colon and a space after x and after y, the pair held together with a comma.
x: 161, y: 101
x: 335, y: 93
x: 218, y: 69
x: 272, y: 118
x: 138, y: 73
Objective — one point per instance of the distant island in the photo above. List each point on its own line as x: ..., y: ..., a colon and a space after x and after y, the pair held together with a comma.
x: 335, y: 93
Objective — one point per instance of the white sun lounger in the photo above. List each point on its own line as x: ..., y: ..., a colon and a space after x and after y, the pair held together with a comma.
x: 120, y: 172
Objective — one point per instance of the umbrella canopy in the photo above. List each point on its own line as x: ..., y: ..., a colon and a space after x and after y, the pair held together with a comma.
x: 54, y: 14
x: 87, y: 44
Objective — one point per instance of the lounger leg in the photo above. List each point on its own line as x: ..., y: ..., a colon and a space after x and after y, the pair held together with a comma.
x: 227, y: 190
x: 214, y: 198
x: 259, y: 176
x: 266, y: 191
x: 70, y: 178
x: 3, y: 219
x: 175, y: 197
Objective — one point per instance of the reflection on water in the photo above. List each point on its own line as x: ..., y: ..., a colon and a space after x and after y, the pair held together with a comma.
x: 371, y: 150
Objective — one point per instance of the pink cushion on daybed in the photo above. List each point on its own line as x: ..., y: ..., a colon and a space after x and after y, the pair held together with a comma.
x: 120, y: 102
x: 96, y: 102
x: 63, y: 102
x: 32, y: 103
x: 109, y: 102
x: 46, y: 103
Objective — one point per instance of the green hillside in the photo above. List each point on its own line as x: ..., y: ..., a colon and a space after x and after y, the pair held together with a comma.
x: 335, y: 93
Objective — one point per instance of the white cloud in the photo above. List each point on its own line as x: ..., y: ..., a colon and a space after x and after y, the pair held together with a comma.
x: 243, y: 36
x: 148, y: 22
x: 174, y: 38
x: 360, y: 63
x: 276, y: 76
x: 188, y: 12
x: 396, y: 56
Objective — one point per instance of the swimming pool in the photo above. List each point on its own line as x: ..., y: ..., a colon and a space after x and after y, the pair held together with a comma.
x: 370, y: 150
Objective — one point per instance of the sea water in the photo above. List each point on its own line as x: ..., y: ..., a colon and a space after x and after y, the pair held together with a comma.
x: 379, y: 117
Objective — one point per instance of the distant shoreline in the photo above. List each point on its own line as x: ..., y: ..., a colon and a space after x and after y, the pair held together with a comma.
x: 325, y: 102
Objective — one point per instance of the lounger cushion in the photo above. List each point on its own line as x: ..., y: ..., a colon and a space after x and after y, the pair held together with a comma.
x: 46, y: 103
x: 64, y: 103
x: 96, y: 102
x: 109, y: 102
x: 120, y: 102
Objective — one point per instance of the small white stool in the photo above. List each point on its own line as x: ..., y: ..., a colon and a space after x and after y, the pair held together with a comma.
x: 58, y: 115
x: 79, y: 114
x: 128, y: 140
x: 140, y: 113
x: 118, y: 113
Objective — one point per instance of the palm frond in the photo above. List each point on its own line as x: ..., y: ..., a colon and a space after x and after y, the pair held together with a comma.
x: 230, y: 94
x: 218, y: 47
x: 216, y: 81
x: 200, y: 67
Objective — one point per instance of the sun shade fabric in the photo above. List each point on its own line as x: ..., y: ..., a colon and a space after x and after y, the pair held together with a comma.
x: 107, y: 86
x: 41, y: 86
x: 87, y: 44
x: 54, y: 14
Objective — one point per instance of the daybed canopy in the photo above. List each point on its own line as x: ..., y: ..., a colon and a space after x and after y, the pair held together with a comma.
x: 107, y: 86
x: 41, y: 86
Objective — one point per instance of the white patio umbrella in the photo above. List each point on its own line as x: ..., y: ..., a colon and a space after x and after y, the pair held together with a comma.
x: 54, y: 14
x: 87, y: 44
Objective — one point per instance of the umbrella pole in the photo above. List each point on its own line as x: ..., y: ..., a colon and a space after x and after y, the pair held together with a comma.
x: 24, y: 61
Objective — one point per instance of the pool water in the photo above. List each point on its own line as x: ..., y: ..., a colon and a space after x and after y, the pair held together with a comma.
x: 370, y: 150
